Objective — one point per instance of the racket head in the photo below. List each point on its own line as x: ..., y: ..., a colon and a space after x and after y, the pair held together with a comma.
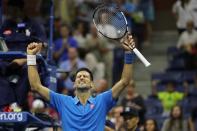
x: 110, y: 21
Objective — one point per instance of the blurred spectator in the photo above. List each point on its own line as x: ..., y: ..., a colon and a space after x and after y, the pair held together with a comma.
x: 57, y: 27
x: 170, y: 96
x: 98, y: 68
x: 128, y: 8
x: 61, y: 45
x: 79, y: 34
x: 147, y: 8
x: 137, y: 23
x: 176, y: 121
x: 192, y: 87
x: 84, y: 10
x: 115, y: 117
x: 135, y: 101
x: 70, y: 66
x: 95, y: 44
x: 65, y: 9
x: 188, y: 38
x: 151, y: 125
x: 131, y: 119
x: 109, y: 126
x: 98, y: 47
x: 188, y: 44
x: 183, y: 11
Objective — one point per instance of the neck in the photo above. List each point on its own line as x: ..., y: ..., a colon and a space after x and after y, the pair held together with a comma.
x: 73, y: 59
x: 83, y: 95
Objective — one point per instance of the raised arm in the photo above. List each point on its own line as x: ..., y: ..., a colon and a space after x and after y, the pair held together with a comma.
x: 127, y: 70
x: 34, y: 78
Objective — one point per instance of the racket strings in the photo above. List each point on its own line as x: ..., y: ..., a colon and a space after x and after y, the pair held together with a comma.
x: 110, y: 22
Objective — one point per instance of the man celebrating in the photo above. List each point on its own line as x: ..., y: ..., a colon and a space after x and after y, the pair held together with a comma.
x: 83, y: 112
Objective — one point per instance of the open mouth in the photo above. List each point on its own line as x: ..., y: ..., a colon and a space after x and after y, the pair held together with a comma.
x: 83, y: 89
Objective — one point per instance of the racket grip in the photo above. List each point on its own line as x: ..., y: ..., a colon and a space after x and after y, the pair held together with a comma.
x: 141, y: 57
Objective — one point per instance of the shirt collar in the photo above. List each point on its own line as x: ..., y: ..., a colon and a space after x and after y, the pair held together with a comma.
x: 76, y: 100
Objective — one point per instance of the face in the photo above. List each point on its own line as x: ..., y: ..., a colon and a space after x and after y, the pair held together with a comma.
x: 64, y: 31
x: 130, y: 89
x: 72, y: 53
x: 132, y: 122
x: 176, y: 112
x: 83, y: 79
x: 190, y: 25
x: 170, y: 87
x: 80, y: 27
x: 150, y: 126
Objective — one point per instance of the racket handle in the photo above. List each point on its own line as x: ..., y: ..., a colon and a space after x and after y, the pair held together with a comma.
x: 141, y: 57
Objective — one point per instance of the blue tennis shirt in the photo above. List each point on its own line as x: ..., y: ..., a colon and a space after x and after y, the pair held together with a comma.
x: 78, y: 117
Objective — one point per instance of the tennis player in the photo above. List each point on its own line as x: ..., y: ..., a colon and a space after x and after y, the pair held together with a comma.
x: 83, y: 112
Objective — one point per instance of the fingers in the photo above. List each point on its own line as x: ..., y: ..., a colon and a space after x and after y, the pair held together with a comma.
x: 33, y: 48
x: 128, y: 42
x: 126, y: 46
x: 35, y: 45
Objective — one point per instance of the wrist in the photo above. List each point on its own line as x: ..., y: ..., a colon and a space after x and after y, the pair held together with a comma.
x: 31, y: 60
x: 129, y: 57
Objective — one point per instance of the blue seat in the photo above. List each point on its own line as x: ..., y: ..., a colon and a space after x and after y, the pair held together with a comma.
x: 186, y: 107
x: 153, y: 107
x: 167, y: 76
x: 176, y: 65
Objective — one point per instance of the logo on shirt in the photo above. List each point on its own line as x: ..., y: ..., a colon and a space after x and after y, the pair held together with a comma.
x: 91, y: 106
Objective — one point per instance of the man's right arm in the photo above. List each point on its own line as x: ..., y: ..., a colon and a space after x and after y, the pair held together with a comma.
x: 34, y: 78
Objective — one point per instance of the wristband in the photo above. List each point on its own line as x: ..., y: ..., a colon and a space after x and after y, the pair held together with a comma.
x: 31, y: 60
x: 129, y: 58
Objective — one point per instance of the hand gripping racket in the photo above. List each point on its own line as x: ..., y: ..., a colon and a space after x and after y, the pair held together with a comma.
x: 111, y: 23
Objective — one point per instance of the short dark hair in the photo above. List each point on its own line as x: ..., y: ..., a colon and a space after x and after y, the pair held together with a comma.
x: 82, y: 69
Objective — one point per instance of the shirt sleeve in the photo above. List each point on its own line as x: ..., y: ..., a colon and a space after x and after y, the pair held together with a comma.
x: 161, y: 95
x: 108, y: 100
x: 175, y: 8
x: 179, y: 96
x: 180, y: 41
x: 73, y: 43
x: 57, y: 45
x: 56, y: 100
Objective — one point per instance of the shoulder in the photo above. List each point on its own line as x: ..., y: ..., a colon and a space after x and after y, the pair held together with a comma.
x: 72, y: 39
x: 59, y: 96
x: 82, y: 63
x: 57, y: 41
x: 177, y: 4
x: 167, y: 121
x: 107, y: 93
x: 63, y: 64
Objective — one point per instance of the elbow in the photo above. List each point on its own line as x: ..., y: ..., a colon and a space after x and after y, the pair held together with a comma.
x: 34, y: 86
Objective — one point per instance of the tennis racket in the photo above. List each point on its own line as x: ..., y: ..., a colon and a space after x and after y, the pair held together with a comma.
x: 111, y: 23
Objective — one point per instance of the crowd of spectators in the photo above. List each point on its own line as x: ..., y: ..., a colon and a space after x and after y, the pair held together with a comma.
x: 77, y: 44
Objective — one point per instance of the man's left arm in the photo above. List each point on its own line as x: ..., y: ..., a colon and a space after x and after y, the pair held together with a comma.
x: 127, y: 70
